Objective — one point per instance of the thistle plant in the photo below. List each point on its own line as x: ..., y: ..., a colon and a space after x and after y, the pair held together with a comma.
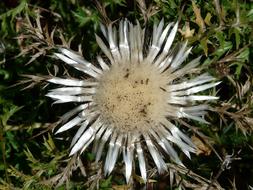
x: 33, y: 157
x: 131, y: 98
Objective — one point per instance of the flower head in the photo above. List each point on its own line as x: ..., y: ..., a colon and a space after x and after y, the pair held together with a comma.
x: 130, y: 96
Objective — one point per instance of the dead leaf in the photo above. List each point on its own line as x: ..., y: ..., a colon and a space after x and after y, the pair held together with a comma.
x: 199, y: 20
x: 202, y: 148
x: 187, y: 32
x: 208, y: 19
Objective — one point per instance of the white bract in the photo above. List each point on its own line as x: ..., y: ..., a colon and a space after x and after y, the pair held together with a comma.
x: 131, y: 97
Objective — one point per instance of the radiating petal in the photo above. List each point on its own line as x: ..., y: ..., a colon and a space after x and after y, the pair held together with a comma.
x: 72, y: 112
x: 79, y: 132
x: 110, y: 153
x: 176, y: 132
x: 193, y: 117
x: 123, y: 41
x: 175, y: 138
x: 141, y: 159
x: 103, y: 140
x: 184, y: 100
x: 71, y: 82
x: 191, y: 90
x: 128, y: 151
x: 72, y: 91
x: 70, y: 124
x: 65, y: 59
x: 79, y: 59
x: 87, y: 137
x: 161, y: 140
x: 103, y: 65
x: 139, y: 41
x: 113, y: 45
x: 104, y: 49
x: 103, y: 29
x: 188, y: 68
x: 180, y: 57
x: 67, y: 98
x: 160, y: 164
x: 77, y: 66
x: 160, y: 43
x: 113, y: 152
x: 196, y: 89
x: 157, y: 30
x: 133, y: 44
x: 196, y: 109
x: 165, y: 64
x: 170, y: 38
x: 97, y: 139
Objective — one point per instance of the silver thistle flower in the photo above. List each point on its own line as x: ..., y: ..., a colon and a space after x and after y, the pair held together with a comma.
x: 131, y: 97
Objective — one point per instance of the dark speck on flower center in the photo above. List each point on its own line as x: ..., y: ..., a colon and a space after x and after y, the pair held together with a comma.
x: 129, y: 96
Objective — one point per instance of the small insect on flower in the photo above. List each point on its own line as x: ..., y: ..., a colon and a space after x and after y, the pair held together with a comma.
x: 130, y: 98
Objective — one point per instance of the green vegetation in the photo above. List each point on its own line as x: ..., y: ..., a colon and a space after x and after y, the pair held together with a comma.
x: 32, y: 157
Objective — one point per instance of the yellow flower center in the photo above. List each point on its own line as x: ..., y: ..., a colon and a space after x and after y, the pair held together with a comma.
x: 132, y: 96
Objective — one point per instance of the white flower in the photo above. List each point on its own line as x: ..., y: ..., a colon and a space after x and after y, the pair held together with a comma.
x: 130, y: 98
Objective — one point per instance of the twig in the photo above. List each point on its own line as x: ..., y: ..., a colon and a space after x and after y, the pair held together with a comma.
x: 224, y: 166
